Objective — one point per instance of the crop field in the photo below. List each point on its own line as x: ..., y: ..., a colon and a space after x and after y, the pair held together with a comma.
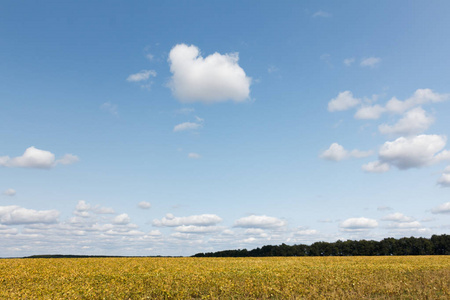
x: 407, y: 277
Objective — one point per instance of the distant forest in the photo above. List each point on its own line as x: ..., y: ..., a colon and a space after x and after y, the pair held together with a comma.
x: 436, y: 245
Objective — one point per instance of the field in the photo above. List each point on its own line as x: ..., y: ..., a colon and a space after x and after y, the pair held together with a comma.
x: 407, y: 277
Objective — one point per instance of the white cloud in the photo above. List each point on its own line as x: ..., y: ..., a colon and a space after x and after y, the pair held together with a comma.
x: 75, y: 234
x: 358, y: 224
x: 337, y: 152
x: 369, y: 112
x: 144, y: 205
x: 187, y: 126
x: 321, y: 14
x: 410, y: 152
x: 415, y: 121
x: 199, y: 220
x: 343, y: 101
x: 7, y: 230
x: 141, y: 76
x: 154, y: 233
x: 420, y: 97
x: 197, y: 229
x: 442, y: 209
x: 395, y: 106
x: 254, y: 231
x: 122, y: 219
x: 83, y: 208
x: 110, y: 108
x: 194, y: 155
x: 405, y: 225
x: 349, y: 61
x: 254, y: 221
x: 36, y: 158
x: 15, y: 215
x: 444, y: 180
x: 9, y: 192
x: 67, y: 159
x: 414, y: 152
x: 397, y: 217
x: 212, y: 79
x: 376, y: 167
x: 124, y: 232
x: 370, y: 62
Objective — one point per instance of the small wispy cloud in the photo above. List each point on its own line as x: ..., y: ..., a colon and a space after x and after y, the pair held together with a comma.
x: 186, y: 126
x: 272, y: 69
x: 144, y: 205
x: 184, y: 111
x: 321, y: 14
x: 9, y: 192
x: 194, y: 155
x: 349, y: 61
x: 189, y: 125
x: 141, y: 76
x: 327, y: 59
x: 370, y: 62
x: 110, y: 108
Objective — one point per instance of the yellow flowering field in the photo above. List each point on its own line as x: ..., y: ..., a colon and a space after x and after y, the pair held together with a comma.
x: 407, y: 277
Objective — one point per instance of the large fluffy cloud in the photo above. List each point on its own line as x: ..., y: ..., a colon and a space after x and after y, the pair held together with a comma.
x: 337, y: 152
x: 411, y: 152
x: 198, y: 220
x: 36, y: 158
x: 216, y: 78
x: 414, y: 152
x: 16, y: 215
x: 254, y: 221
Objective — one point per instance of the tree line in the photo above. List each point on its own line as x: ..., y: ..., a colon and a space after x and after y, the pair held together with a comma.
x: 436, y: 245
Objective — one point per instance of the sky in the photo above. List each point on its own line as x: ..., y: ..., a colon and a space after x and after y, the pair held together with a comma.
x: 177, y: 127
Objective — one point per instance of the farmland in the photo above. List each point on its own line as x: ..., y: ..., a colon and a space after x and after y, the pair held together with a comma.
x: 406, y: 277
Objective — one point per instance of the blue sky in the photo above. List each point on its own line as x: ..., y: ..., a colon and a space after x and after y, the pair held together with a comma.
x: 177, y: 127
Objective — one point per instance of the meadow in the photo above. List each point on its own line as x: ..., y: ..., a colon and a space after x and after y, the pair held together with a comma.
x: 387, y: 277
